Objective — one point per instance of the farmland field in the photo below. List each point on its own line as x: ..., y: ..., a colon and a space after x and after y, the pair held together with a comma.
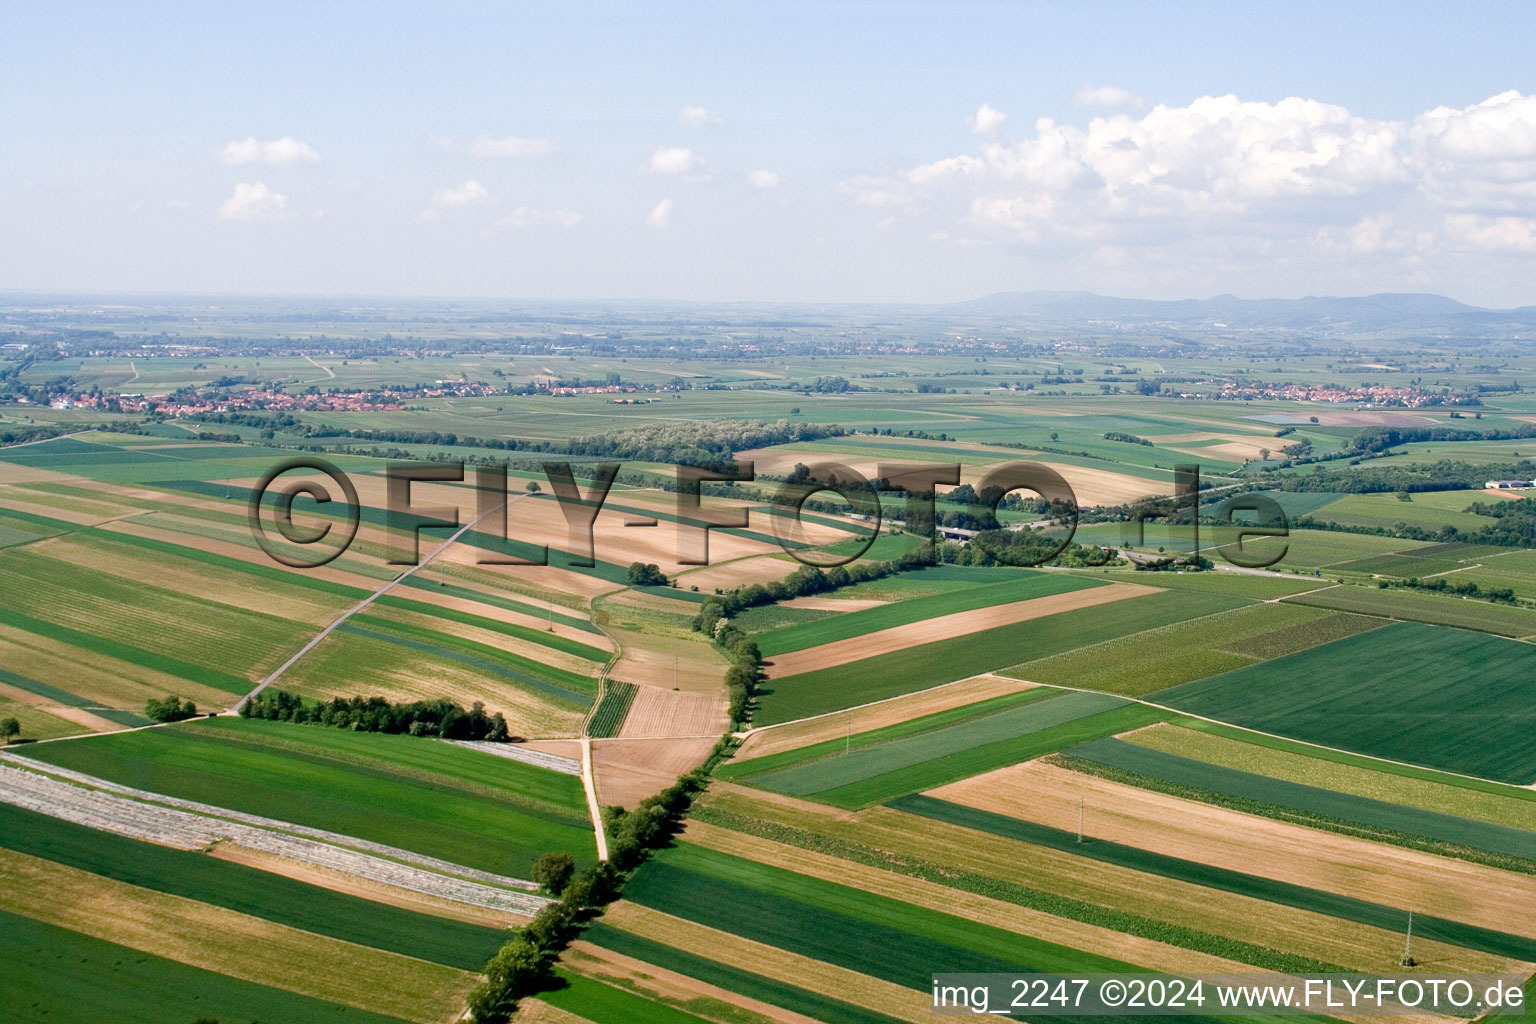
x: 880, y: 769
x: 52, y: 974
x: 1306, y: 801
x: 900, y: 613
x: 1443, y: 698
x: 1158, y: 658
x: 432, y: 798
x: 1430, y: 608
x: 1344, y: 773
x: 962, y: 766
x: 882, y: 676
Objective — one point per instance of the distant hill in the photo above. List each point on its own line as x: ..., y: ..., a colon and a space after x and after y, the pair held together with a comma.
x: 1362, y: 314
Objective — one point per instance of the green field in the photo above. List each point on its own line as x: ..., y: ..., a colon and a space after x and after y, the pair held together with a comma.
x: 877, y: 770
x: 418, y: 794
x: 901, y: 613
x: 732, y: 978
x: 1436, y: 609
x: 223, y: 883
x: 1445, y: 698
x: 601, y: 1003
x: 50, y: 975
x: 608, y: 718
x: 1144, y: 662
x: 885, y: 938
x: 889, y: 675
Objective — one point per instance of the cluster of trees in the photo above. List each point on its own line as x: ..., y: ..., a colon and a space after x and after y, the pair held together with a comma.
x: 824, y: 385
x: 522, y: 966
x: 10, y: 728
x: 645, y: 574
x: 1115, y: 435
x: 439, y: 717
x: 169, y: 709
x: 1023, y: 547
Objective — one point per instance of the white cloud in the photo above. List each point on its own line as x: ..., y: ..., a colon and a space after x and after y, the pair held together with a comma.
x: 467, y: 194
x: 1296, y: 182
x: 177, y: 204
x: 471, y: 193
x: 527, y: 217
x: 254, y: 202
x: 673, y: 160
x: 1108, y: 97
x: 987, y: 120
x: 697, y: 117
x: 763, y: 179
x: 1493, y: 234
x: 661, y: 215
x: 272, y: 151
x: 511, y: 145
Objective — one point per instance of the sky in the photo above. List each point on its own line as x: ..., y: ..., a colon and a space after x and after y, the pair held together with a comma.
x: 798, y: 152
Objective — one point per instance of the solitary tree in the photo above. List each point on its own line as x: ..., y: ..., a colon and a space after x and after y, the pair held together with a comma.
x: 11, y: 728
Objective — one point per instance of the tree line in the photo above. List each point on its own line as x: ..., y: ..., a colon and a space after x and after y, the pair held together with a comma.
x: 441, y: 717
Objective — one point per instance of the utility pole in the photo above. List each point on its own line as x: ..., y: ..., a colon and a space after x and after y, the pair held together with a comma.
x: 1082, y: 806
x: 551, y: 604
x: 1408, y: 943
x: 848, y: 739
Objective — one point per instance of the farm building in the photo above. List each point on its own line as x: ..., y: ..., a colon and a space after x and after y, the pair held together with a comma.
x: 1505, y: 485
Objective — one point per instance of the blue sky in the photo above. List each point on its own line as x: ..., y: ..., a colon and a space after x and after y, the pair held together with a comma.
x: 815, y: 152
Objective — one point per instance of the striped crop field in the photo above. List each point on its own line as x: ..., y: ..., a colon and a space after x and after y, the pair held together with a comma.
x: 1155, y: 659
x: 913, y: 759
x: 915, y: 668
x: 1307, y: 804
x: 418, y: 794
x: 901, y: 613
x: 608, y: 718
x: 1443, y: 698
x: 1343, y: 773
x: 1434, y: 609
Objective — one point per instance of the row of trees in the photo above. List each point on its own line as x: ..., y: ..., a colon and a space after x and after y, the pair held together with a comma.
x: 439, y: 717
x: 1441, y: 585
x: 522, y: 966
